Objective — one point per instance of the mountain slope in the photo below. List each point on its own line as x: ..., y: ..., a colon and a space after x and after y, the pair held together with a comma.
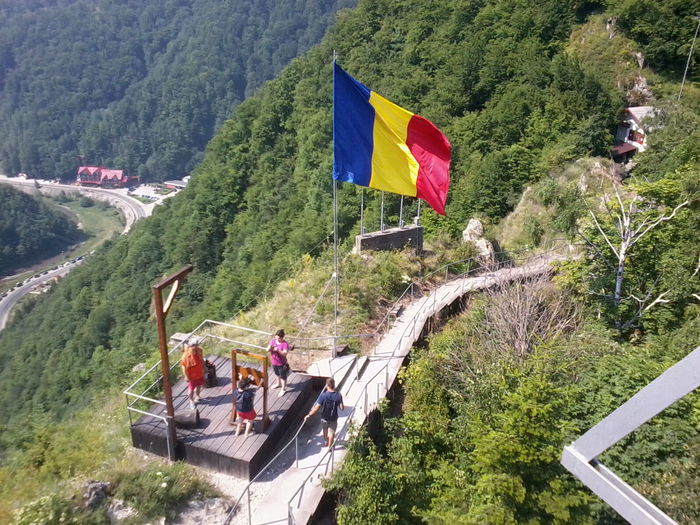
x: 261, y: 197
x: 140, y: 86
x: 29, y: 229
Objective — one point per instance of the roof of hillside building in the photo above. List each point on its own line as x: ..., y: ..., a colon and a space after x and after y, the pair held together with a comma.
x: 640, y: 112
x: 176, y: 183
x: 620, y: 148
x: 112, y: 174
x: 91, y: 170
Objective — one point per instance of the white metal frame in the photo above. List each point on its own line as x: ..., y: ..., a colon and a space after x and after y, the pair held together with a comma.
x: 580, y: 457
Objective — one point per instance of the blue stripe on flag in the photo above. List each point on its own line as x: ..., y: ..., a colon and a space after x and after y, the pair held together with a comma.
x: 353, y: 129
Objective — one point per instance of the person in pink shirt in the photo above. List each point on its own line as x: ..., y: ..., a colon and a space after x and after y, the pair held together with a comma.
x: 278, y: 349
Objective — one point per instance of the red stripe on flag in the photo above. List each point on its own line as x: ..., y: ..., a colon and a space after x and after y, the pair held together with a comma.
x: 432, y: 151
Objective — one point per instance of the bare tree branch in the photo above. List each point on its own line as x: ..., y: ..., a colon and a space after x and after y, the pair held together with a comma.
x: 631, y: 221
x: 659, y: 299
x: 697, y: 268
x: 658, y: 221
x: 602, y: 232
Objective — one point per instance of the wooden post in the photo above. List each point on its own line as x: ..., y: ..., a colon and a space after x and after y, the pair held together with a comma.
x: 162, y: 309
x: 234, y: 385
x: 266, y: 419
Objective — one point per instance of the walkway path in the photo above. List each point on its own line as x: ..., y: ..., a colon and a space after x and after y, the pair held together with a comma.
x: 293, y: 496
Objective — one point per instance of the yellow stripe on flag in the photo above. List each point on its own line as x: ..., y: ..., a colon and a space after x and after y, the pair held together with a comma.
x: 394, y: 168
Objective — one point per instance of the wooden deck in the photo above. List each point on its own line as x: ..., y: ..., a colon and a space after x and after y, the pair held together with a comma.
x: 214, y: 444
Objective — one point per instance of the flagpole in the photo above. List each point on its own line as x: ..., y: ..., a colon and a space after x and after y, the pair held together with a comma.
x: 381, y: 215
x: 335, y: 244
x: 362, y: 212
x: 401, y: 213
x: 418, y: 223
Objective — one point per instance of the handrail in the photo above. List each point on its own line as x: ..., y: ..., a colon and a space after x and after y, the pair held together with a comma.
x: 232, y: 512
x: 348, y: 421
x: 126, y: 391
x: 141, y: 397
x: 363, y: 392
x: 470, y: 270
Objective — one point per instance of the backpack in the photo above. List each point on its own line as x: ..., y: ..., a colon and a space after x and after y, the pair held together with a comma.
x: 329, y: 407
x: 210, y: 374
x: 244, y: 400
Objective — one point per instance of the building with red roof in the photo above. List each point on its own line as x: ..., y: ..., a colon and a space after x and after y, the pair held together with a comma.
x: 103, y: 177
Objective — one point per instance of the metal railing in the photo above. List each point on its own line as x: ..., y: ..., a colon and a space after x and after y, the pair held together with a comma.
x: 218, y: 338
x: 473, y: 265
x: 364, y: 392
x: 351, y: 418
x: 498, y: 266
x: 227, y: 335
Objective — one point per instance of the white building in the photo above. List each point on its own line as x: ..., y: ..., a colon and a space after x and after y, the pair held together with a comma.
x: 631, y: 135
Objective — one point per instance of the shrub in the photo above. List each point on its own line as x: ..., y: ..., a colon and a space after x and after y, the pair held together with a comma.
x: 159, y: 490
x: 55, y: 509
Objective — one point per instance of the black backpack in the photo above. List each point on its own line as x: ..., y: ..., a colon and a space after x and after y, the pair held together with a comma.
x: 329, y: 409
x: 209, y: 374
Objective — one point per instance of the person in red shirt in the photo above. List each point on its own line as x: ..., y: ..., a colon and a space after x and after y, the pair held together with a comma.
x: 193, y: 369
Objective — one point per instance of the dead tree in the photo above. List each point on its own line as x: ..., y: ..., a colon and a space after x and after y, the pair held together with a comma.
x: 630, y: 221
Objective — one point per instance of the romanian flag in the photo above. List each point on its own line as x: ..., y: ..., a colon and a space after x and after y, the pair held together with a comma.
x: 381, y: 145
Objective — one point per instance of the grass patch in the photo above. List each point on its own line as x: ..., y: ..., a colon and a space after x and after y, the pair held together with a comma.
x: 46, y: 481
x: 99, y: 222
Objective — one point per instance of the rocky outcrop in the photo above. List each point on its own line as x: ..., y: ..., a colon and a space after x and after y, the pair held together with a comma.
x: 96, y: 492
x: 213, y: 510
x: 118, y: 512
x: 474, y: 233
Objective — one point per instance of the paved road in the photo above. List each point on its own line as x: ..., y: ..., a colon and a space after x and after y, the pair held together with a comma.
x: 10, y: 300
x: 132, y: 209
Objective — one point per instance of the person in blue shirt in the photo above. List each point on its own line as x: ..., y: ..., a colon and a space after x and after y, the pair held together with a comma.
x: 328, y: 403
x: 245, y: 399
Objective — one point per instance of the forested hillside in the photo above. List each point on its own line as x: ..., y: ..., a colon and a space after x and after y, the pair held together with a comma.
x: 135, y: 85
x: 261, y: 197
x: 522, y: 93
x: 30, y: 230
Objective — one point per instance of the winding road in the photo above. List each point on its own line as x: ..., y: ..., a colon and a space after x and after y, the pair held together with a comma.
x: 132, y: 210
x: 8, y: 302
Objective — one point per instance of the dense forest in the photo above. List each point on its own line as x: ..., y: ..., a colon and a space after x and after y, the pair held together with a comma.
x: 140, y: 86
x: 524, y: 92
x: 30, y: 230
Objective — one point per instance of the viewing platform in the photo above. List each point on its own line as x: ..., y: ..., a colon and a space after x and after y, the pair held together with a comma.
x: 213, y: 443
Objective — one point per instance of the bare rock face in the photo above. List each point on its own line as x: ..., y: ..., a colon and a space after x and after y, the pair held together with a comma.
x: 213, y: 510
x: 96, y: 492
x: 611, y: 27
x: 486, y: 251
x: 640, y: 93
x: 118, y: 512
x: 473, y: 231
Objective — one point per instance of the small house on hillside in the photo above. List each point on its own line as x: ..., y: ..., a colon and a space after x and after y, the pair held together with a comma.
x: 106, y: 178
x: 631, y: 135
